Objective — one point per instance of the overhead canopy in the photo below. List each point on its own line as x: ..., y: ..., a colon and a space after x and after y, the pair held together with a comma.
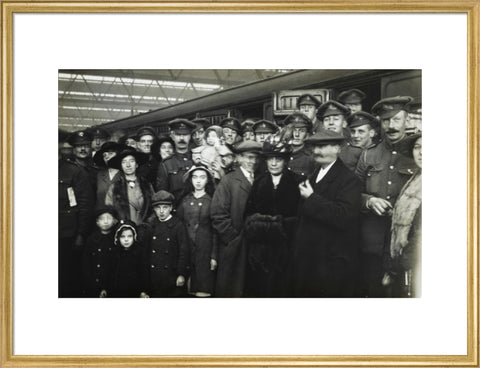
x: 88, y: 97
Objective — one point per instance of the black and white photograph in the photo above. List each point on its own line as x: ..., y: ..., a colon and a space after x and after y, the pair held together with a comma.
x: 246, y: 183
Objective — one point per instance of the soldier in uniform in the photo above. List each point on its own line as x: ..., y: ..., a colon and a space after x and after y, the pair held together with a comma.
x: 81, y: 142
x: 75, y: 209
x: 99, y: 136
x: 146, y: 137
x: 231, y: 130
x: 353, y: 99
x: 170, y: 171
x: 308, y: 105
x: 383, y: 171
x: 363, y: 128
x: 264, y: 129
x: 300, y: 161
x: 247, y: 130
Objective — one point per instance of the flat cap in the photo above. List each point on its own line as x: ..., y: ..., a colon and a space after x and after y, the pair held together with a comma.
x: 264, y: 126
x: 247, y: 146
x: 181, y: 126
x: 298, y: 120
x: 80, y: 138
x: 145, y: 130
x: 231, y: 123
x: 351, y: 96
x: 162, y: 197
x: 388, y: 107
x: 330, y: 108
x: 323, y: 137
x: 307, y: 99
x: 360, y: 118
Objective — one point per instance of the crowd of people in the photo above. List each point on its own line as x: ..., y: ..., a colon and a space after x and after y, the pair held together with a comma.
x: 325, y: 204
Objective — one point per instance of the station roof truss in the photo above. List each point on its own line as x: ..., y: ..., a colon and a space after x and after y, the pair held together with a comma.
x: 90, y: 97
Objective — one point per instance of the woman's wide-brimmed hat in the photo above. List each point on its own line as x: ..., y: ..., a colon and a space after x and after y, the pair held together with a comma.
x: 187, y: 175
x: 273, y: 148
x: 106, y: 147
x: 116, y: 162
x: 405, y: 147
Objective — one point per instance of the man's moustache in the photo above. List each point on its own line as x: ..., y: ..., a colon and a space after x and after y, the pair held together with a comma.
x: 392, y: 131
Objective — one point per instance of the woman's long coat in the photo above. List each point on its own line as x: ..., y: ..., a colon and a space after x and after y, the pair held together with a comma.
x: 269, y: 242
x: 326, y: 244
x: 227, y: 214
x: 195, y: 214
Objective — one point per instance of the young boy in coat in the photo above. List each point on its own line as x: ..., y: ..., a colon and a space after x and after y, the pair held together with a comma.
x: 167, y: 256
x: 97, y: 251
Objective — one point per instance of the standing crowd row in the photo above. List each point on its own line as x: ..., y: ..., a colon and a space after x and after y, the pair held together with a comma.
x: 328, y: 204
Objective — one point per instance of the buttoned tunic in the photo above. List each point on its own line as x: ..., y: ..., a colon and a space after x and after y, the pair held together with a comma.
x: 383, y: 172
x: 170, y: 173
x: 301, y: 163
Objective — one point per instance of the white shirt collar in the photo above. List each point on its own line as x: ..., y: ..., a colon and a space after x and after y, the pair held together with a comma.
x: 246, y: 173
x: 323, y: 172
x: 168, y: 218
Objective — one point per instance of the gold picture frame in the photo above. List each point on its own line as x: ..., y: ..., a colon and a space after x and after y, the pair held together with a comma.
x: 9, y: 8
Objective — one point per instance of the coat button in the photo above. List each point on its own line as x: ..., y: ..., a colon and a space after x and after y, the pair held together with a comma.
x: 166, y: 252
x: 200, y: 204
x: 184, y: 159
x: 391, y: 167
x: 191, y: 203
x: 153, y: 251
x: 168, y: 239
x: 166, y: 266
x: 389, y: 182
x: 154, y: 238
x: 98, y: 266
x: 99, y: 249
x: 97, y: 280
x: 394, y: 152
x: 152, y: 266
x: 388, y: 197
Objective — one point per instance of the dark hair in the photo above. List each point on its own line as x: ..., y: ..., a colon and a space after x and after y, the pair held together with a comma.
x: 188, y: 186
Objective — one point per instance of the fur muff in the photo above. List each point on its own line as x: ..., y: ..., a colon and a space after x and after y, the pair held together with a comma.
x: 267, y: 250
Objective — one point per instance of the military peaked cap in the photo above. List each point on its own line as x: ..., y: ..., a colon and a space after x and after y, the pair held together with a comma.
x: 231, y: 123
x: 264, y: 126
x: 181, y: 126
x: 298, y: 120
x: 390, y: 106
x: 307, y: 99
x: 80, y: 138
x: 361, y: 118
x: 330, y: 108
x: 352, y: 96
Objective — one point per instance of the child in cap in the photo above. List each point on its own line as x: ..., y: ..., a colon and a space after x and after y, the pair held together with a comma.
x: 127, y: 277
x: 194, y: 210
x: 167, y: 254
x: 96, y: 255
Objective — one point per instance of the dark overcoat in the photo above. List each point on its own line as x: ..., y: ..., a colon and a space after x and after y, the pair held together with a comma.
x: 195, y: 214
x: 96, y: 263
x: 127, y: 276
x: 227, y: 213
x: 103, y: 183
x: 269, y: 243
x: 167, y: 256
x: 326, y: 243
